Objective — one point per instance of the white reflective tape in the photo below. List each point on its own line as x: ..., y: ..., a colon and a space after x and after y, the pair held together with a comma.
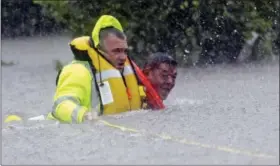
x: 127, y: 70
x: 112, y: 73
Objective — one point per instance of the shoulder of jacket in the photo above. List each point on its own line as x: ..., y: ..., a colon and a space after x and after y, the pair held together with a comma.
x: 81, y: 43
x: 79, y: 69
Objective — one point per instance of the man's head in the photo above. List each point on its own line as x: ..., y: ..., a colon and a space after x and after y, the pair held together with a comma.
x: 114, y: 45
x: 161, y: 70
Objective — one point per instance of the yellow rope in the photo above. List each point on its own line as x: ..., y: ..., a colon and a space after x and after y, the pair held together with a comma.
x: 185, y: 141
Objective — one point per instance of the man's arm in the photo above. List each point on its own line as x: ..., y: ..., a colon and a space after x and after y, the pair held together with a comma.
x: 72, y: 94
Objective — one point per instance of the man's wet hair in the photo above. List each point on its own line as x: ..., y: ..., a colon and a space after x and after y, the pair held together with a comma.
x: 107, y: 31
x: 158, y: 58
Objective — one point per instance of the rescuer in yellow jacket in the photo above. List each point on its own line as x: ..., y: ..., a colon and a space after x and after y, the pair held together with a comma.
x: 101, y: 77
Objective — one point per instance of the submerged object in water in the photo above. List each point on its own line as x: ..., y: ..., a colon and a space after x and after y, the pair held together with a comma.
x: 11, y: 118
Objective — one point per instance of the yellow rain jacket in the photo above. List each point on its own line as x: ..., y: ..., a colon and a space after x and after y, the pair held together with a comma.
x: 91, y: 83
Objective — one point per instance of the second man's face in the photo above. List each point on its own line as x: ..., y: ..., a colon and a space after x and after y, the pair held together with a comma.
x: 163, y: 79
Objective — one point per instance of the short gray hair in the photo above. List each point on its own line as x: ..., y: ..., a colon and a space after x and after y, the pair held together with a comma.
x: 105, y: 32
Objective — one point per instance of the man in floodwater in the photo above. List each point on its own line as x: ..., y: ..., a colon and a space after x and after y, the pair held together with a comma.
x: 161, y: 71
x: 158, y: 77
x: 101, y: 78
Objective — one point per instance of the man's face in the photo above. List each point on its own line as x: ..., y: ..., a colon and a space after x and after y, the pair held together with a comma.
x: 116, y: 50
x: 163, y: 79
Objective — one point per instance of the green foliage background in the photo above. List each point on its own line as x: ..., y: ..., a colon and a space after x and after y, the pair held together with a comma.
x: 193, y: 31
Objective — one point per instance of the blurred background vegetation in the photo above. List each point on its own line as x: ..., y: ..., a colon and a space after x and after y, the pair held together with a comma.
x: 195, y: 32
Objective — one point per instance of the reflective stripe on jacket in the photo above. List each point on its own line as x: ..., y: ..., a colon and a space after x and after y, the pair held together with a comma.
x: 73, y: 93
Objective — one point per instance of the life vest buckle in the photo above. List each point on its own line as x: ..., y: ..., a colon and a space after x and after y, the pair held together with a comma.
x: 142, y: 91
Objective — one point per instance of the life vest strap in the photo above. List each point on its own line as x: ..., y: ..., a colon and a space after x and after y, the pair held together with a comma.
x: 93, y: 74
x: 128, y: 93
